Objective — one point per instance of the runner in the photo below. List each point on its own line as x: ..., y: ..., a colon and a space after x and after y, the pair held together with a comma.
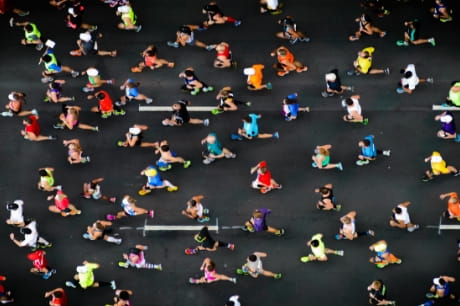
x: 32, y: 35
x: 264, y: 181
x: 128, y: 18
x: 383, y: 256
x: 192, y: 83
x: 365, y: 27
x: 348, y: 231
x: 69, y: 118
x: 31, y: 237
x: 354, y: 110
x: 101, y: 230
x: 363, y: 63
x: 290, y: 31
x: 255, y: 78
x: 291, y: 107
x: 130, y: 209
x: 195, y: 209
x: 214, y: 149
x: 318, y: 250
x: 223, y: 56
x: 167, y: 157
x: 131, y: 89
x: 441, y: 11
x: 151, y: 60
x: 227, y: 101
x: 62, y: 205
x: 334, y: 85
x: 135, y: 258
x: 134, y: 137
x: 58, y: 297
x: 87, y: 44
x: 210, y: 274
x: 53, y: 66
x: 412, y: 36
x: 185, y: 36
x: 441, y: 288
x: 321, y: 159
x: 154, y: 181
x: 121, y: 298
x: 401, y: 219
x: 378, y: 294
x: 448, y: 126
x: 286, y: 62
x: 454, y: 95
x: 272, y: 7
x: 85, y: 277
x: 410, y: 80
x: 327, y: 201
x: 180, y: 116
x: 92, y: 190
x: 250, y: 129
x: 16, y: 213
x: 46, y: 182
x: 207, y: 243
x: 453, y: 205
x: 32, y: 130
x: 14, y: 106
x: 258, y: 223
x: 53, y: 93
x: 233, y: 301
x: 216, y: 16
x: 369, y: 151
x: 254, y: 267
x: 105, y: 106
x: 5, y: 295
x: 94, y: 80
x: 75, y: 152
x: 40, y: 264
x: 438, y: 167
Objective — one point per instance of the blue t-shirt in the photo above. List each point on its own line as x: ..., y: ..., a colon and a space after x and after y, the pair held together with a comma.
x: 251, y: 128
x: 369, y: 151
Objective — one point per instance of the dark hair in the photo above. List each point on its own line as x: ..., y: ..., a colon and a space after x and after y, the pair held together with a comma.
x: 100, y: 95
x: 349, y: 101
x: 247, y: 119
x: 164, y: 148
x: 42, y: 172
x: 211, y: 266
x: 25, y: 231
x: 252, y: 257
x: 185, y: 29
x: 124, y: 295
x: 57, y: 294
x: 366, y: 142
x: 28, y: 27
x: 314, y: 243
x: 11, y: 206
x: 46, y: 58
x: 398, y: 210
x: 151, y: 52
x: 189, y: 73
x: 324, y: 190
x: 192, y: 202
x: 55, y: 85
x: 407, y: 74
x: 442, y: 282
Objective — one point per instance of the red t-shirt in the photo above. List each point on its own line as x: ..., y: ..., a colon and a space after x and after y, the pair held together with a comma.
x: 38, y: 259
x: 265, y: 178
x: 62, y: 204
x: 106, y: 104
x: 61, y: 300
x: 33, y: 127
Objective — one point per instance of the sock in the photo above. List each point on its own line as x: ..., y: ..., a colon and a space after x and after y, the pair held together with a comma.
x: 112, y: 239
x: 168, y: 183
x: 149, y: 266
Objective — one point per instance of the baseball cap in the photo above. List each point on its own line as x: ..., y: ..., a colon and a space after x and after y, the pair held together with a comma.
x: 249, y: 71
x: 85, y: 37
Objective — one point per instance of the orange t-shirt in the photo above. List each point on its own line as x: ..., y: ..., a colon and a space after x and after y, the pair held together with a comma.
x: 256, y: 79
x: 289, y: 57
x: 453, y: 208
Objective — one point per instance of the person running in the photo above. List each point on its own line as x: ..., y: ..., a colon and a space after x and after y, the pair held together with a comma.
x: 334, y: 85
x: 14, y: 106
x: 185, y: 36
x: 250, y: 129
x: 53, y: 66
x: 130, y: 209
x: 62, y: 205
x: 16, y: 213
x: 131, y: 89
x: 75, y: 152
x: 441, y: 11
x: 378, y: 294
x: 412, y: 36
x: 255, y: 78
x: 128, y: 18
x: 327, y: 201
x: 453, y: 205
x: 286, y: 62
x: 348, y: 231
x: 401, y: 219
x: 207, y: 243
x: 192, y: 83
x: 94, y: 80
x: 135, y: 258
x: 122, y: 298
x: 46, y: 182
x: 87, y: 44
x: 32, y: 130
x: 454, y: 95
x: 369, y: 151
x: 5, y: 295
x: 154, y: 181
x: 92, y: 190
x: 134, y: 137
x: 31, y: 237
x: 216, y: 16
x: 223, y: 56
x: 264, y: 181
x: 272, y: 7
x: 227, y: 101
x: 290, y: 31
x: 376, y: 6
x: 58, y: 297
x: 85, y: 277
x: 448, y: 127
x: 318, y: 250
x: 410, y: 80
x: 254, y: 267
x: 258, y: 223
x: 40, y: 264
x: 151, y: 60
x: 383, y: 257
x: 291, y: 107
x: 105, y: 105
x: 210, y: 274
x: 441, y: 288
x: 69, y: 118
x: 167, y: 157
x: 180, y: 116
x: 54, y: 91
x: 322, y: 158
x: 365, y: 27
x: 354, y: 110
x: 195, y: 209
x: 32, y: 35
x: 363, y: 63
x: 101, y: 230
x: 214, y: 149
x: 74, y: 17
x: 438, y: 167
x: 234, y: 300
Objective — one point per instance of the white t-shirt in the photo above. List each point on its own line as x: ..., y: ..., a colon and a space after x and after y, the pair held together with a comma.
x: 404, y: 215
x: 31, y: 239
x: 413, y: 81
x: 356, y: 107
x: 272, y: 4
x: 235, y: 300
x: 255, y: 265
x: 16, y: 216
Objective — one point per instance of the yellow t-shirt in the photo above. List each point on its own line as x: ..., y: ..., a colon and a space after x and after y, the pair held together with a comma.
x: 366, y: 63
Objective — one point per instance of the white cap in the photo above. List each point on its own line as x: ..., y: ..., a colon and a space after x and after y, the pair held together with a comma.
x: 71, y: 11
x: 249, y: 71
x: 11, y: 96
x: 82, y: 269
x: 92, y: 72
x: 19, y: 202
x: 436, y: 281
x: 85, y: 36
x: 134, y: 130
x: 331, y: 77
x: 446, y: 119
x: 436, y: 159
x: 123, y: 9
